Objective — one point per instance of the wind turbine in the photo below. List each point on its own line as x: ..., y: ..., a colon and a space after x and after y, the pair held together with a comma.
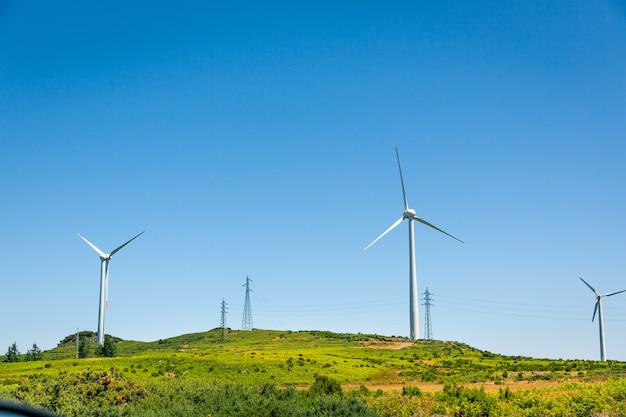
x: 598, y: 309
x: 104, y: 282
x: 409, y: 214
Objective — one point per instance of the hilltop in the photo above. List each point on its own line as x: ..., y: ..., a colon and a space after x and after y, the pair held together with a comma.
x: 294, y: 358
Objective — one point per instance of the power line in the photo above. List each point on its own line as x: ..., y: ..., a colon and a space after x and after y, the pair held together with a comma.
x: 530, y: 316
x: 505, y: 308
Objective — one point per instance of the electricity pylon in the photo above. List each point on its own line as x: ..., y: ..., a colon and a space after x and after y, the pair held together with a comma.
x: 246, y: 322
x: 427, y: 303
x: 224, y: 332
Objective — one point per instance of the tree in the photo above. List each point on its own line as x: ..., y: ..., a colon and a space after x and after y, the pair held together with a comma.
x: 108, y: 348
x: 12, y: 353
x: 83, y: 347
x: 34, y: 353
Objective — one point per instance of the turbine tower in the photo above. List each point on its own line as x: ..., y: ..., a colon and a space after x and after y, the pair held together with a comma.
x: 104, y: 282
x: 246, y: 322
x: 598, y: 309
x: 409, y: 214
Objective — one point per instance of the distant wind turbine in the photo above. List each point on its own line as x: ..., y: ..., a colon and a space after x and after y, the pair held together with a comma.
x: 598, y: 309
x: 409, y: 214
x: 104, y: 282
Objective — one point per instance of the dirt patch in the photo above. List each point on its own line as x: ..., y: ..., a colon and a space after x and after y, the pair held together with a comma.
x: 391, y: 344
x: 425, y: 386
x: 401, y: 345
x: 435, y: 387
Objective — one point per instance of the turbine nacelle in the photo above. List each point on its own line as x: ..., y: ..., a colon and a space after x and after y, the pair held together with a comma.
x: 409, y: 213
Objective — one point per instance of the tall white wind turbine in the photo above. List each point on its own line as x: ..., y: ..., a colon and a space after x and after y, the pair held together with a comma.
x: 598, y: 309
x: 104, y: 282
x: 409, y: 214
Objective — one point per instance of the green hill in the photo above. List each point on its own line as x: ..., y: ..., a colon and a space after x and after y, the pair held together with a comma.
x: 293, y: 358
x: 371, y: 367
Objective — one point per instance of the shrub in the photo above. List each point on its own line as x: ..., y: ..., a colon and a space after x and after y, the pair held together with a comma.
x: 411, y: 391
x: 325, y: 385
x: 470, y: 402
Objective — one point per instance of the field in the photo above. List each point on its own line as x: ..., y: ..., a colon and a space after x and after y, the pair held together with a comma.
x: 311, y: 373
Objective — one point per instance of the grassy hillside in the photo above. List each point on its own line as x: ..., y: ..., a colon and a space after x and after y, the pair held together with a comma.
x: 293, y: 358
x: 370, y: 366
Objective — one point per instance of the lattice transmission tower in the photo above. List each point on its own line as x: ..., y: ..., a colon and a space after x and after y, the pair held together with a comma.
x: 224, y: 332
x: 246, y: 322
x: 428, y: 325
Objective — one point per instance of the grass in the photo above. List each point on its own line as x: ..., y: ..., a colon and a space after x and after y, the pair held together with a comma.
x: 392, y: 374
x: 293, y: 358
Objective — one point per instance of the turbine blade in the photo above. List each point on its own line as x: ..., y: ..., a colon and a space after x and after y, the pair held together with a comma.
x: 383, y: 234
x: 102, y: 254
x: 613, y: 293
x: 436, y: 228
x: 114, y: 251
x: 595, y: 310
x: 406, y: 204
x: 587, y: 284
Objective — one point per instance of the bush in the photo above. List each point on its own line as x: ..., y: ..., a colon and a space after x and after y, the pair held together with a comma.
x: 112, y: 394
x: 332, y: 406
x: 325, y: 385
x: 80, y: 394
x: 411, y: 391
x: 470, y: 402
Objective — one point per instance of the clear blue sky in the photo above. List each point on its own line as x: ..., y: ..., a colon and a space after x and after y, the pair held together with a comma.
x: 258, y: 141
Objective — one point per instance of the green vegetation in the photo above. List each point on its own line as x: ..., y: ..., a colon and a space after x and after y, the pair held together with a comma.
x: 108, y: 348
x: 308, y: 373
x: 12, y: 354
x: 34, y: 353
